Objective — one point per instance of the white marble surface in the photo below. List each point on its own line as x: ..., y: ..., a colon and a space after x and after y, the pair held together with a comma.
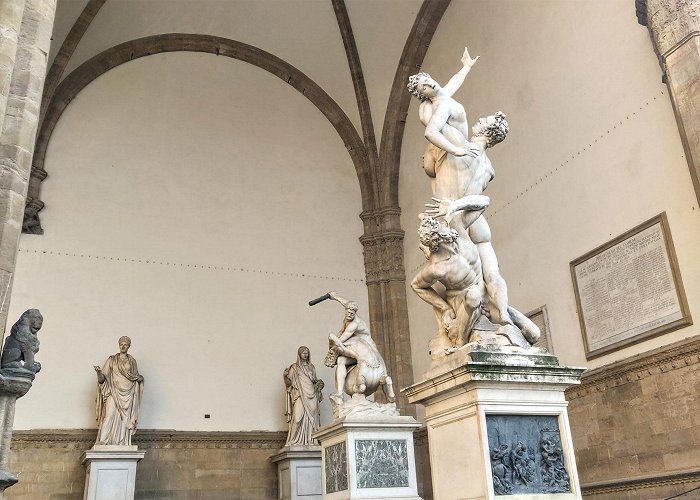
x: 111, y: 472
x: 299, y: 472
x: 457, y: 402
x: 371, y: 444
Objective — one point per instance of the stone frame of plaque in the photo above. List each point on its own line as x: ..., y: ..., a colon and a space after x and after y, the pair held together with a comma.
x: 540, y: 317
x: 608, y: 260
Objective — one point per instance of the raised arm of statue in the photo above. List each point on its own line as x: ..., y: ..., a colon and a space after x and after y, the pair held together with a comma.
x: 100, y: 376
x: 456, y: 81
x: 338, y: 298
x: 473, y: 205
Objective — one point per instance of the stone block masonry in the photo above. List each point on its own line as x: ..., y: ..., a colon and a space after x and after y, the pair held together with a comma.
x: 636, y: 425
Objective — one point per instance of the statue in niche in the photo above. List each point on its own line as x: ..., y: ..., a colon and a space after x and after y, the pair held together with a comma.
x: 23, y: 343
x: 303, y: 400
x: 460, y: 171
x: 359, y: 368
x: 119, y: 393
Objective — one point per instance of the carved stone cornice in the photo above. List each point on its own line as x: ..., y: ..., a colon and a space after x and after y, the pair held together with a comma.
x: 31, y: 223
x: 381, y: 219
x: 671, y: 22
x: 662, y: 360
x: 81, y: 439
x: 383, y: 257
x: 383, y: 245
x: 646, y: 482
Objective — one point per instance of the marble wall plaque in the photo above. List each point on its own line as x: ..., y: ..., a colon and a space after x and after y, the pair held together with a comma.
x: 336, y: 467
x: 381, y: 463
x: 629, y: 289
x: 526, y: 454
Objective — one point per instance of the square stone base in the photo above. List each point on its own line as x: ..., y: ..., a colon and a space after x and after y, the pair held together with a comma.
x: 299, y: 472
x: 497, y: 425
x: 111, y: 472
x: 369, y: 458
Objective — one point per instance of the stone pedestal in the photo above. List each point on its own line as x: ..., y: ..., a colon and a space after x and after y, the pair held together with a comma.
x: 299, y: 472
x: 369, y: 457
x: 497, y: 424
x: 111, y: 472
x: 14, y: 383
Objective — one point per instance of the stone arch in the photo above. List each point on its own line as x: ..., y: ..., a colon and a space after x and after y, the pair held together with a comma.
x: 185, y: 42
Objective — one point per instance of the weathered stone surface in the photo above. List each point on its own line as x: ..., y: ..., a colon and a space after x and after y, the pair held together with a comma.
x: 10, y: 21
x: 635, y: 424
x: 19, y: 124
x: 178, y: 465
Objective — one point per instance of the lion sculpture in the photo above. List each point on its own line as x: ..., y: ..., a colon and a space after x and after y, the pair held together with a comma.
x: 23, y: 343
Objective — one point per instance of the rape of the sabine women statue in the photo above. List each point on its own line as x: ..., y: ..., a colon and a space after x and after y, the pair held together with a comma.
x: 454, y: 235
x: 359, y: 368
x: 303, y: 399
x: 119, y: 393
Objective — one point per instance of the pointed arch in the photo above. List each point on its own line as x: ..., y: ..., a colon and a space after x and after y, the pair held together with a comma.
x: 185, y: 42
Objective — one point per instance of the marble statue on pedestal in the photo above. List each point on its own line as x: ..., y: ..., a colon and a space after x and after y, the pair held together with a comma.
x: 359, y: 368
x: 303, y: 400
x: 22, y: 343
x: 119, y: 393
x: 460, y: 254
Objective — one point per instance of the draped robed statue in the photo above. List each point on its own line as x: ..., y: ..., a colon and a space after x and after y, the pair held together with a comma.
x: 303, y: 398
x: 119, y: 393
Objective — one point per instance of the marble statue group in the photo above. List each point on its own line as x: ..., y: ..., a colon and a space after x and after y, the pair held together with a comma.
x: 472, y: 303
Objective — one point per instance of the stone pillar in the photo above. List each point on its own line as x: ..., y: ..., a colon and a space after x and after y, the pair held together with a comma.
x: 111, y: 472
x: 298, y: 472
x: 674, y: 26
x: 19, y: 127
x: 386, y: 286
x: 14, y: 383
x: 10, y: 21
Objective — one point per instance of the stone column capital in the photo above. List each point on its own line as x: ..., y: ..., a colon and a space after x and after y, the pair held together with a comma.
x: 670, y: 22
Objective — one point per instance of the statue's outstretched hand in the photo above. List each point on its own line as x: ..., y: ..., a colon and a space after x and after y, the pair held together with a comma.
x: 441, y: 208
x: 97, y: 368
x: 467, y: 60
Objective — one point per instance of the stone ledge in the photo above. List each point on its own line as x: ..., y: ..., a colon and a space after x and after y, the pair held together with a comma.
x: 641, y: 482
x: 664, y: 359
x: 153, y: 439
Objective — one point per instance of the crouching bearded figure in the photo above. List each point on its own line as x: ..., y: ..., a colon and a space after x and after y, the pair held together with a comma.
x: 359, y: 368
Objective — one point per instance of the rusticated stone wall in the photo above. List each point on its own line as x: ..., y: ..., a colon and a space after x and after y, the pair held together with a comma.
x: 177, y: 466
x: 636, y: 425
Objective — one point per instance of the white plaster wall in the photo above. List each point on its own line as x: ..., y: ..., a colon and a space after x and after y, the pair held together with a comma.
x: 593, y: 151
x: 380, y: 29
x: 304, y: 33
x: 194, y: 203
